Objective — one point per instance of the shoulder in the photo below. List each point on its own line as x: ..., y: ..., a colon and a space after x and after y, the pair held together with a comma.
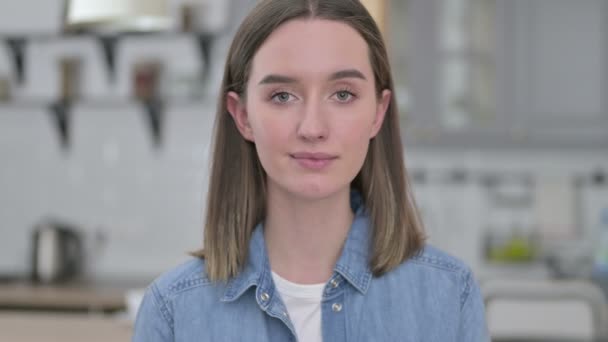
x: 435, y: 259
x: 184, y: 277
x: 443, y: 273
x: 435, y: 269
x: 156, y: 311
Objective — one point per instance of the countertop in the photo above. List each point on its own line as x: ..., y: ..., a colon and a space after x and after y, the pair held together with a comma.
x: 82, y: 295
x: 76, y: 311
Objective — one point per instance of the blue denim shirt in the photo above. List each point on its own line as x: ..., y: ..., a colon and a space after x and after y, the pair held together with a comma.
x: 431, y: 297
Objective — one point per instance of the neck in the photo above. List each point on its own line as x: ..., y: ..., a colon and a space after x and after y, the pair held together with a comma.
x: 304, y: 237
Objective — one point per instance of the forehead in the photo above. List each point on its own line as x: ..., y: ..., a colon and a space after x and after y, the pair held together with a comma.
x: 311, y: 48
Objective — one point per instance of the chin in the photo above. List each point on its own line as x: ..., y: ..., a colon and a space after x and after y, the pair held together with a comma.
x: 315, y: 190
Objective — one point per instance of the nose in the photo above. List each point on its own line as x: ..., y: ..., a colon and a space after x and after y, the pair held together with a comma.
x: 313, y: 123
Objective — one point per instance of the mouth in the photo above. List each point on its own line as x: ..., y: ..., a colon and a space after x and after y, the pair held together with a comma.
x: 313, y: 160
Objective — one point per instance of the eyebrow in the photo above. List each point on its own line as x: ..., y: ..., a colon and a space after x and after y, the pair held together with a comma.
x: 348, y: 73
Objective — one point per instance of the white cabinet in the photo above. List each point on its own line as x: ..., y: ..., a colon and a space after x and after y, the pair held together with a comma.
x: 517, y: 73
x: 555, y: 70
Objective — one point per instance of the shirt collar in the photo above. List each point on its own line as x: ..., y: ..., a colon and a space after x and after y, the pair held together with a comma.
x: 256, y: 270
x: 353, y: 263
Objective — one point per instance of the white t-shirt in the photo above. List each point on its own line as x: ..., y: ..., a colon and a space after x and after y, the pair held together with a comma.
x: 303, y: 306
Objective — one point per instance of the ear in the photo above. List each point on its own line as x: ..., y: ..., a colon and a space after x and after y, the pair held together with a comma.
x: 381, y: 108
x: 236, y: 108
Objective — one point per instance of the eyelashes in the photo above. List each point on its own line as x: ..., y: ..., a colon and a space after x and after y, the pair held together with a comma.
x: 281, y: 97
x: 343, y: 95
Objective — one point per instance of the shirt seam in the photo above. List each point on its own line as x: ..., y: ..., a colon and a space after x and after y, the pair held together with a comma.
x: 437, y: 263
x: 161, y: 305
x: 466, y: 290
x: 187, y: 284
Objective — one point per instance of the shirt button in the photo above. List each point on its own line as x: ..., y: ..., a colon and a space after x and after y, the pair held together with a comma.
x: 334, y: 283
x: 264, y: 297
x: 337, y: 307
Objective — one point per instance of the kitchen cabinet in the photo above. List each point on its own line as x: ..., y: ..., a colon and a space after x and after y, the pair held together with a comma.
x: 30, y: 16
x: 26, y: 327
x: 556, y: 70
x: 520, y: 73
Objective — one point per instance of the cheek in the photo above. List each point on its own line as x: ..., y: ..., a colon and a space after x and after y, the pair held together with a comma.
x: 354, y: 139
x: 355, y: 135
x: 270, y: 137
x: 357, y: 129
x: 264, y: 123
x: 270, y: 132
x: 358, y: 149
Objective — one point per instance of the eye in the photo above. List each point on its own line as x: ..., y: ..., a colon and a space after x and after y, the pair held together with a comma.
x: 344, y: 96
x: 281, y: 97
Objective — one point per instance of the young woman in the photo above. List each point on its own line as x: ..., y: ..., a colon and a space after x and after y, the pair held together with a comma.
x: 311, y: 231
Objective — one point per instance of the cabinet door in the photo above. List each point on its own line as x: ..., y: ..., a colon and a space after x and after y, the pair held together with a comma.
x: 555, y: 63
x: 452, y: 69
x: 490, y: 73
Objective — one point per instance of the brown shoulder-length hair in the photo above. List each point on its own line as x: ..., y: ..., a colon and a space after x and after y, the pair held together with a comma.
x: 236, y: 200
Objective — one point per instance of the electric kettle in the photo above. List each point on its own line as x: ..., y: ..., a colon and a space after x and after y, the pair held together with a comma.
x: 57, y: 252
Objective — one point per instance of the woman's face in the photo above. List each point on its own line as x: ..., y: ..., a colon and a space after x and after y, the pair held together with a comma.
x: 311, y: 107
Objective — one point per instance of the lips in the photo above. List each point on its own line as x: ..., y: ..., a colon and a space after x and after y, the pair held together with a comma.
x: 313, y: 160
x: 312, y: 155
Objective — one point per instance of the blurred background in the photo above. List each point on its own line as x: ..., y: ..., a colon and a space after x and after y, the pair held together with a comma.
x: 106, y: 113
